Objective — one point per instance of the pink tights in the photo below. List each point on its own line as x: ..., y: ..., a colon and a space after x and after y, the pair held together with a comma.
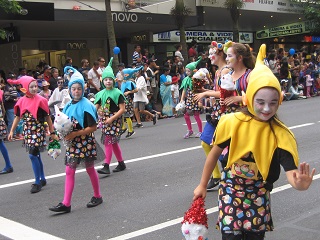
x: 196, y: 117
x: 69, y: 184
x: 109, y: 148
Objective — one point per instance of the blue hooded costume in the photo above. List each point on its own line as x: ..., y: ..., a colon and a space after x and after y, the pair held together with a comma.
x: 127, y: 84
x: 76, y: 110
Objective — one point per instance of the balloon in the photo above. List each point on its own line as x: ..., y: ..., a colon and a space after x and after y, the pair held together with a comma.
x: 116, y: 50
x: 292, y: 51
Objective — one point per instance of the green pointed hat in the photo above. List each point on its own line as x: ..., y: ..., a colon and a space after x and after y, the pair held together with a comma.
x: 108, y: 72
x: 192, y: 66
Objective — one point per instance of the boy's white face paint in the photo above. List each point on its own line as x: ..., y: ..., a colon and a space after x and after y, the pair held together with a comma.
x: 266, y: 103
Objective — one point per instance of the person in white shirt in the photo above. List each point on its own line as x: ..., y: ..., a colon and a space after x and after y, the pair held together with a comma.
x: 140, y: 99
x: 119, y: 75
x: 102, y: 63
x: 178, y: 52
x: 94, y: 76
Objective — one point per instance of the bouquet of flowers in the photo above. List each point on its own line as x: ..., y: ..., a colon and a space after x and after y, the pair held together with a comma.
x: 62, y: 124
x: 227, y: 88
x: 194, y: 224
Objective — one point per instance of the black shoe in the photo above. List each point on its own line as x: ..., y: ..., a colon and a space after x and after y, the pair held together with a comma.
x: 138, y: 125
x: 5, y: 171
x: 213, y: 183
x: 154, y: 119
x: 35, y: 188
x: 130, y: 134
x: 121, y: 166
x: 60, y: 208
x: 122, y: 131
x: 43, y: 183
x: 105, y: 169
x: 94, y: 202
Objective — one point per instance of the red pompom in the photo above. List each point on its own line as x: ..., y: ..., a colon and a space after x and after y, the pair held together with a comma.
x: 196, y: 213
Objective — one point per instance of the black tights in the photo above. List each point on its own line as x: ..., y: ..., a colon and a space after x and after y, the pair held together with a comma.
x: 243, y: 236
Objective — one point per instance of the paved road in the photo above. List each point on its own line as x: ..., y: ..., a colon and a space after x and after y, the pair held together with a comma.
x: 148, y: 200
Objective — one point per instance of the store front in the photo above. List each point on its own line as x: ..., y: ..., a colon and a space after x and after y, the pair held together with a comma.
x: 291, y: 36
x: 166, y: 40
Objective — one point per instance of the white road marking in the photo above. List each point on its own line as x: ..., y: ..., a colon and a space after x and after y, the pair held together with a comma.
x: 179, y: 220
x: 19, y: 231
x: 302, y: 125
x: 127, y: 161
x: 98, y: 167
x: 193, y: 123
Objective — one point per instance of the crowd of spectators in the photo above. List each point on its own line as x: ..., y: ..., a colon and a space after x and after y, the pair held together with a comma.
x: 298, y: 75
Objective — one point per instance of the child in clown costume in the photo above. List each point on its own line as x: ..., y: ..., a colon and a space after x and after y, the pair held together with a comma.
x: 34, y: 111
x: 128, y: 88
x: 192, y: 106
x: 110, y: 103
x: 82, y: 148
x: 253, y: 166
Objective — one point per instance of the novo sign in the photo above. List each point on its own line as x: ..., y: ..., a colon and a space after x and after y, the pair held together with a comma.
x: 126, y: 17
x: 141, y: 37
x: 76, y: 45
x: 285, y: 30
x: 202, y: 36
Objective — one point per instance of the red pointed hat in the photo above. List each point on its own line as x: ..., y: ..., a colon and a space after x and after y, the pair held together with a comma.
x: 196, y: 213
x: 175, y: 79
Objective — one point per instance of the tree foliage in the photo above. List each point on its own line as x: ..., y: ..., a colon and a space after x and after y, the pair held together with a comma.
x: 234, y: 7
x: 9, y: 6
x: 311, y: 12
x: 111, y: 33
x: 180, y: 13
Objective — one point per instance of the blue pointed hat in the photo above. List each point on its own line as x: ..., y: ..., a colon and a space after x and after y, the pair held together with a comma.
x: 129, y: 72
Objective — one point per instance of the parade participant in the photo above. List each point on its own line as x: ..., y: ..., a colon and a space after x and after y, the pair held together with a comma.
x: 34, y: 111
x: 241, y: 61
x: 217, y: 57
x: 187, y: 95
x: 3, y: 134
x: 82, y: 144
x: 252, y: 166
x: 128, y: 88
x: 110, y: 103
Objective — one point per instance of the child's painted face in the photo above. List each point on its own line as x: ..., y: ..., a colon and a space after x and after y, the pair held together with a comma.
x: 213, y: 55
x: 76, y: 91
x: 33, y: 88
x: 231, y: 58
x: 266, y: 103
x: 188, y: 72
x: 108, y: 82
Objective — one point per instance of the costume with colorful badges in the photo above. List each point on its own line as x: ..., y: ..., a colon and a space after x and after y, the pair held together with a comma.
x: 187, y: 85
x: 257, y: 149
x: 32, y: 109
x: 109, y: 100
x: 82, y: 149
x: 3, y: 126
